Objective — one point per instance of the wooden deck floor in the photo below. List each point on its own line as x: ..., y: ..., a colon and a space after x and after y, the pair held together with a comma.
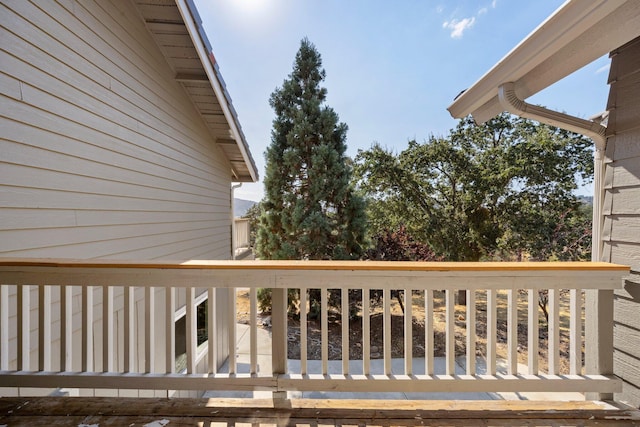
x: 152, y: 412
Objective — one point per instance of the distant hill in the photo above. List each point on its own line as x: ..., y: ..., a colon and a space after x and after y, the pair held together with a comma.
x: 587, y: 200
x: 241, y: 206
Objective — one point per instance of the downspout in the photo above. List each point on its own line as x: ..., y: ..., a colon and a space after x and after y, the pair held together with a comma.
x: 233, y: 221
x: 511, y: 103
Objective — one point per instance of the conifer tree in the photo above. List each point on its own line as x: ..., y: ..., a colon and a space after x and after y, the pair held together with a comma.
x: 310, y: 210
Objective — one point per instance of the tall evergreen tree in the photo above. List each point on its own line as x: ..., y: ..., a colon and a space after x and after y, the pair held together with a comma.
x: 310, y: 210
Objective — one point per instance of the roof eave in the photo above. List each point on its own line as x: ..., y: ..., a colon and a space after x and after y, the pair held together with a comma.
x: 193, y: 23
x: 579, y: 32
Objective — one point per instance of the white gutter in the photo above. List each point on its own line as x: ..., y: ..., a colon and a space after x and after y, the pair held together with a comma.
x: 511, y: 103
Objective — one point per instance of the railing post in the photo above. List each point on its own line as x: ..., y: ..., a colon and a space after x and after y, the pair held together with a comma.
x: 279, y: 337
x: 599, y: 337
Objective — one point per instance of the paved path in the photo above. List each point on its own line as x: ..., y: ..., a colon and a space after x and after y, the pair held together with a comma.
x: 355, y: 367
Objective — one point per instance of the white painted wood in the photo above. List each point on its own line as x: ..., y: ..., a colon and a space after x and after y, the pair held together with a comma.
x: 303, y: 330
x: 428, y: 332
x: 491, y: 331
x: 231, y: 325
x: 170, y: 330
x: 87, y: 82
x: 450, y: 336
x: 87, y: 329
x: 575, y: 332
x: 598, y: 337
x: 388, y: 381
x: 253, y: 330
x: 212, y: 325
x: 117, y: 84
x: 66, y: 328
x: 107, y: 329
x: 354, y: 383
x: 279, y: 331
x: 200, y: 274
x: 532, y: 331
x: 512, y: 332
x: 4, y: 327
x: 344, y: 305
x: 23, y: 328
x: 553, y: 356
x: 408, y: 332
x: 44, y: 328
x: 471, y: 333
x: 366, y: 332
x: 620, y: 234
x: 324, y: 331
x: 242, y: 233
x: 191, y: 341
x: 386, y: 330
x: 447, y: 383
x: 150, y: 323
x: 93, y: 119
x: 129, y: 329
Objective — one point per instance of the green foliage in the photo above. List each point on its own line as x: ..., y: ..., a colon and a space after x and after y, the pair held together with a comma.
x: 253, y: 215
x: 485, y: 191
x: 310, y: 210
x: 399, y: 245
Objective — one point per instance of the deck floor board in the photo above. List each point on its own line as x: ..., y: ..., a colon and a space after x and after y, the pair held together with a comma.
x: 157, y: 412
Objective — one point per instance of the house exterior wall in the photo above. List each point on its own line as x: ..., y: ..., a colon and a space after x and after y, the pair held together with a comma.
x: 621, y: 211
x: 102, y: 153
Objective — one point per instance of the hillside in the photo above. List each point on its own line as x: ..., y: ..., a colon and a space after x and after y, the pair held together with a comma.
x: 241, y: 206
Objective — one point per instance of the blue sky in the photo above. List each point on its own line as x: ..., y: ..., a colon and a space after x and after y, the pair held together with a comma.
x: 392, y: 66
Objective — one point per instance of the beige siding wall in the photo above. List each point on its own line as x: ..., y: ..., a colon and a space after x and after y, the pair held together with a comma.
x: 102, y: 154
x: 621, y: 233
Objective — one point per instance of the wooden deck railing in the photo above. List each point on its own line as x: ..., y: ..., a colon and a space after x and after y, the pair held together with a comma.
x: 104, y: 324
x: 241, y: 233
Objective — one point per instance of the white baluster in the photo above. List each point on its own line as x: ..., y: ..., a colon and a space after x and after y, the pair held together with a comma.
x: 44, y: 328
x: 512, y: 331
x: 554, y: 331
x: 491, y: 332
x: 428, y: 332
x: 344, y: 304
x: 471, y: 332
x: 170, y: 330
x: 408, y: 332
x: 450, y: 333
x: 533, y: 332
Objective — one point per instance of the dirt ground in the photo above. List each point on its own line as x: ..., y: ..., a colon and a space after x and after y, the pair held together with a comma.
x: 397, y: 330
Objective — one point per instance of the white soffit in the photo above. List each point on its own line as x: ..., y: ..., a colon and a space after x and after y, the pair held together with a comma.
x: 576, y: 34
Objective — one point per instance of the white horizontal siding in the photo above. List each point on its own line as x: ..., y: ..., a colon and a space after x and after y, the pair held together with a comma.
x: 621, y: 228
x: 102, y: 152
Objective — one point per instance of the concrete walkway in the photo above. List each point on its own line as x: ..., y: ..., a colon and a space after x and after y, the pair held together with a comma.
x: 377, y: 367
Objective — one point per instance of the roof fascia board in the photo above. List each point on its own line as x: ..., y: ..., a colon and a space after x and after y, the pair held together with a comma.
x: 189, y: 14
x: 565, y: 25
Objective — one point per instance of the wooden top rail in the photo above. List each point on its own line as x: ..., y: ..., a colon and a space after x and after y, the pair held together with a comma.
x: 316, y: 265
x: 314, y: 274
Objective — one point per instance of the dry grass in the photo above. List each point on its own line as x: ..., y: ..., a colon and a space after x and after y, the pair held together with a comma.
x: 418, y: 313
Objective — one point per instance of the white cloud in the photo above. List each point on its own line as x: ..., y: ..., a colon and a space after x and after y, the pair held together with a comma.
x: 483, y: 11
x: 458, y: 27
x: 603, y: 69
x: 493, y: 4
